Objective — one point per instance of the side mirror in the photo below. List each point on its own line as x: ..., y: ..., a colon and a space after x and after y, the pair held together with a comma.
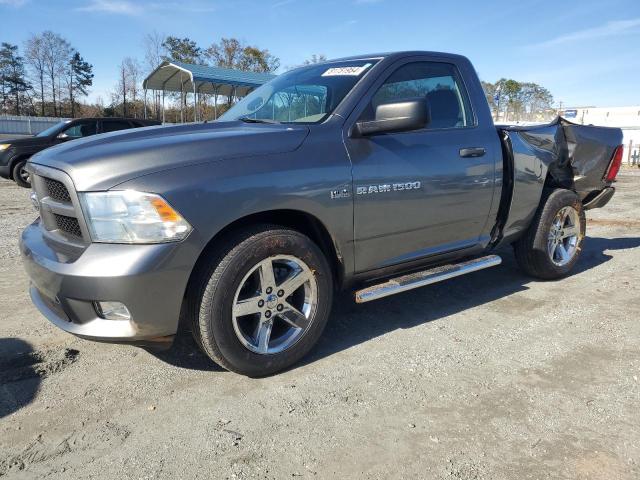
x: 62, y: 136
x: 402, y: 116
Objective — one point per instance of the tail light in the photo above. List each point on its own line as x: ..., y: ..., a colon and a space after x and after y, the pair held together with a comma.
x: 614, y: 166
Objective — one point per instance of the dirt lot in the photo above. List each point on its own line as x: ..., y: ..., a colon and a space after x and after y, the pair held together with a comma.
x: 489, y: 376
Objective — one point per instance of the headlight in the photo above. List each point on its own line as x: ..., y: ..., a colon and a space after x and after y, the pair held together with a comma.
x: 4, y: 146
x: 129, y: 216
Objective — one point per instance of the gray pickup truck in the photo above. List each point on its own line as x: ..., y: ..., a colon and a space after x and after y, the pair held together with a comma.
x: 376, y: 174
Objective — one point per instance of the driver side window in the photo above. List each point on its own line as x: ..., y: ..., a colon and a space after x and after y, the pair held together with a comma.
x: 83, y: 129
x: 439, y: 83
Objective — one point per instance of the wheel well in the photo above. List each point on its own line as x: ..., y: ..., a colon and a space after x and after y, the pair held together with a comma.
x: 13, y: 162
x: 294, y: 219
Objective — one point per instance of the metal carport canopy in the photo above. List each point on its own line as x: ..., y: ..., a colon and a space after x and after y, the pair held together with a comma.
x: 173, y: 76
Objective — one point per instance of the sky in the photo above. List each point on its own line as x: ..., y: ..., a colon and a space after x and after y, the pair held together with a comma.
x: 586, y: 52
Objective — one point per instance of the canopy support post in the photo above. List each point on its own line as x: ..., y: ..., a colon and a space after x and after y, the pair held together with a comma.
x: 164, y: 84
x: 144, y: 103
x: 201, y: 111
x: 195, y: 102
x: 215, y: 101
x: 181, y: 99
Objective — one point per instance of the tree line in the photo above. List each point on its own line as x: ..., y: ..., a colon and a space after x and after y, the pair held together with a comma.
x: 49, y: 77
x: 511, y: 101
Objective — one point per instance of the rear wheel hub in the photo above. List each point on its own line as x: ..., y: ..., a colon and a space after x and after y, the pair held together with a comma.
x: 564, y: 236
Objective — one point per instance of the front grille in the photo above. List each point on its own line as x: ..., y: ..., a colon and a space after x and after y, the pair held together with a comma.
x: 62, y: 219
x: 57, y: 190
x: 68, y: 225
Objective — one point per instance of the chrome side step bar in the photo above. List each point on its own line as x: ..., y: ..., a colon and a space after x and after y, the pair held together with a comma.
x: 426, y: 277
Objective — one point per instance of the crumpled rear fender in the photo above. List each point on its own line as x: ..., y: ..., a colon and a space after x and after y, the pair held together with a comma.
x: 559, y: 154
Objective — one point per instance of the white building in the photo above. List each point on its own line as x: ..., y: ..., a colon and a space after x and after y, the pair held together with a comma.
x: 626, y: 118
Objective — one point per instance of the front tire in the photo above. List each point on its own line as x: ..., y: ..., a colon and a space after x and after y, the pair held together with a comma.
x: 262, y: 303
x: 551, y: 246
x: 20, y: 175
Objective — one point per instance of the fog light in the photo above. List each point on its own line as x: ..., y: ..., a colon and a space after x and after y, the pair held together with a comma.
x: 112, y: 311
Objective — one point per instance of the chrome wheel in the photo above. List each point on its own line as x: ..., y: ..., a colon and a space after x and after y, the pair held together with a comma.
x: 24, y: 175
x: 564, y: 236
x: 274, y: 305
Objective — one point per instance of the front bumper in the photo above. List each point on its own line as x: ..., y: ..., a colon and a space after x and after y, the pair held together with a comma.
x: 149, y: 279
x: 4, y: 171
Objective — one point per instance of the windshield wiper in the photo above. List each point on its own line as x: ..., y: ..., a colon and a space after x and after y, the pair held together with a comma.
x: 257, y: 120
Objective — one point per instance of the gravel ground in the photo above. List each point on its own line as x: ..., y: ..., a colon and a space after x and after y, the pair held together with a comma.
x: 488, y: 376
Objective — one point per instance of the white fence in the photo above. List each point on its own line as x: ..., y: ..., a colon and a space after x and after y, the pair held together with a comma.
x: 631, y: 154
x: 14, y: 125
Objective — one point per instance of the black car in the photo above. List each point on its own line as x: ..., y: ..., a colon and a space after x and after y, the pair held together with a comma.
x: 15, y: 153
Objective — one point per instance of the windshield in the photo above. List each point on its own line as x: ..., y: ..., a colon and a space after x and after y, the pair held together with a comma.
x: 51, y: 130
x: 304, y: 95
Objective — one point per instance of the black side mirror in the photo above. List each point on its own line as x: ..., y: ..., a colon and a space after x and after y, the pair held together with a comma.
x: 405, y: 116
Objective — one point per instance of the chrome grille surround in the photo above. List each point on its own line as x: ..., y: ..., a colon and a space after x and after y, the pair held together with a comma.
x: 60, y: 211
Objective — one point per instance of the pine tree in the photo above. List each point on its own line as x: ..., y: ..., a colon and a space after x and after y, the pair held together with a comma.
x: 80, y: 78
x: 12, y: 76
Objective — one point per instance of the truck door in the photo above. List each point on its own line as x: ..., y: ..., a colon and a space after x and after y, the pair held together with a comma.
x: 423, y: 192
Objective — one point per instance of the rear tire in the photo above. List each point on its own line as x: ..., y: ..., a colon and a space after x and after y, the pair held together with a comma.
x: 248, y: 314
x: 20, y: 175
x: 551, y: 246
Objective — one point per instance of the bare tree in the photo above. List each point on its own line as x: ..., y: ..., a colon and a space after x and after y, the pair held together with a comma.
x: 133, y: 72
x: 127, y: 90
x: 154, y: 50
x: 57, y: 53
x: 36, y: 59
x: 120, y: 94
x: 154, y: 53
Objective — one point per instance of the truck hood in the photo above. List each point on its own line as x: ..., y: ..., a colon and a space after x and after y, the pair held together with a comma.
x: 103, y: 161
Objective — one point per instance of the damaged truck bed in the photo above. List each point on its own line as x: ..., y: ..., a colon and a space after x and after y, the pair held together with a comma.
x: 560, y: 154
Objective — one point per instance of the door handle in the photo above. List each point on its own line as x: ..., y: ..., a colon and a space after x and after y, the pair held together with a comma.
x: 472, y: 152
